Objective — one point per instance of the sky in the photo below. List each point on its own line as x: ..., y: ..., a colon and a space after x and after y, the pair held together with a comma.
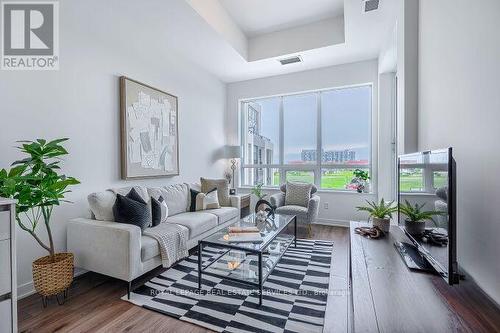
x: 345, y: 121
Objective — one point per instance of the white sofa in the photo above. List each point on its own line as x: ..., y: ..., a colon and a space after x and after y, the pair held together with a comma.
x: 120, y: 250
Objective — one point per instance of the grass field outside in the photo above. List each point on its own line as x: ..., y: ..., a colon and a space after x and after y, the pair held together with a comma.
x: 331, y: 179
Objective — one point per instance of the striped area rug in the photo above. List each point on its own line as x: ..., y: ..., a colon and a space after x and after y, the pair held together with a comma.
x: 295, y: 294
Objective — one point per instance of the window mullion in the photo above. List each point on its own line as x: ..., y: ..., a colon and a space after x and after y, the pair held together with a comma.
x: 281, y: 141
x: 319, y: 151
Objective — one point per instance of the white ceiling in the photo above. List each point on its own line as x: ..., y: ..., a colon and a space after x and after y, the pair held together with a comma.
x: 181, y: 30
x: 256, y: 17
x: 366, y: 36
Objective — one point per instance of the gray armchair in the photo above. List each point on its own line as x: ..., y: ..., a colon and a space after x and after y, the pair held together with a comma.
x: 305, y: 215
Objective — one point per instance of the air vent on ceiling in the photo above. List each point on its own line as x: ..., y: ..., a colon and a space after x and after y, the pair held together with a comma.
x: 371, y: 5
x: 290, y: 60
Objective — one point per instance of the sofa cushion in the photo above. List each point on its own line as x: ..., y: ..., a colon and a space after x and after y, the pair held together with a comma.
x: 101, y: 205
x: 177, y: 197
x: 222, y: 187
x: 299, y: 211
x: 297, y: 193
x: 224, y: 214
x: 149, y: 248
x: 196, y: 222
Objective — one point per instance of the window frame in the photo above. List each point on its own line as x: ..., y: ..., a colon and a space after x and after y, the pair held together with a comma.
x: 315, y: 167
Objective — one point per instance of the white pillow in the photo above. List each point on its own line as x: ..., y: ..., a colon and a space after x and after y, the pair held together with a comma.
x: 208, y: 200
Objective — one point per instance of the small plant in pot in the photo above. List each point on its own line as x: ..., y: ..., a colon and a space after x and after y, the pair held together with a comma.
x: 360, y: 181
x: 257, y: 191
x: 416, y: 217
x: 380, y: 213
x: 37, y: 185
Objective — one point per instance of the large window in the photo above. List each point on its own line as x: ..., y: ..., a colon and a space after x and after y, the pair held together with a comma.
x: 319, y: 137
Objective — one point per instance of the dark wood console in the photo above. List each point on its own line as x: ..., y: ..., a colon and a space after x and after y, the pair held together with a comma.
x: 387, y: 297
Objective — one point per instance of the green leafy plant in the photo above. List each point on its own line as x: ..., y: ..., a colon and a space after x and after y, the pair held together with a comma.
x: 414, y: 213
x: 381, y: 210
x: 37, y: 186
x: 257, y: 191
x: 361, y: 174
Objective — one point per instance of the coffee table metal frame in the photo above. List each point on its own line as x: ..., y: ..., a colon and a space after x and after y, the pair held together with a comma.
x: 261, y: 279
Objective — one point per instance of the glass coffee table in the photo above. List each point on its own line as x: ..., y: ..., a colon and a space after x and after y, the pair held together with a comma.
x: 249, y: 263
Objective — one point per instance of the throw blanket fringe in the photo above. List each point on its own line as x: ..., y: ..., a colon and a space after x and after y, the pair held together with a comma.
x: 172, y: 239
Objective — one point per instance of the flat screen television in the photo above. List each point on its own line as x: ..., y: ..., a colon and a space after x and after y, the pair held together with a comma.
x: 428, y: 179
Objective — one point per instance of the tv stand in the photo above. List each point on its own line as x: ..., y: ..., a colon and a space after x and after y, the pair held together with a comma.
x: 412, y: 257
x: 386, y: 296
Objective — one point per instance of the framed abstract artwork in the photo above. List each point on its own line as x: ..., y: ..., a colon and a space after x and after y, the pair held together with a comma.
x: 149, y: 131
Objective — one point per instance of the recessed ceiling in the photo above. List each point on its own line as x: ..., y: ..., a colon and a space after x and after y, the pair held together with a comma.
x: 256, y: 17
x: 181, y: 29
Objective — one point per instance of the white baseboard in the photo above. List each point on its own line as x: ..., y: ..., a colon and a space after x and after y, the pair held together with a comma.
x: 25, y: 290
x: 28, y: 289
x: 332, y: 222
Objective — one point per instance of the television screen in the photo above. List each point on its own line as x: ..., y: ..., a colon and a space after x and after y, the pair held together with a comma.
x: 426, y: 197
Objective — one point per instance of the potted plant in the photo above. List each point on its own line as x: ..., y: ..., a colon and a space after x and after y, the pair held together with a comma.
x: 37, y: 185
x: 416, y: 217
x: 380, y: 213
x: 360, y: 181
x: 257, y: 191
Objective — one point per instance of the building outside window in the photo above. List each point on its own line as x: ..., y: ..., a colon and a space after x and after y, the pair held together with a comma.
x: 319, y: 137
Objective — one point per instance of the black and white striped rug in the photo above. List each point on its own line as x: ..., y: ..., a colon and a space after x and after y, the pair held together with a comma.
x: 295, y: 294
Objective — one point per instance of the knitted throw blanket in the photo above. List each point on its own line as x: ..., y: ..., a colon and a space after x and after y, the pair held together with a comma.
x: 172, y: 239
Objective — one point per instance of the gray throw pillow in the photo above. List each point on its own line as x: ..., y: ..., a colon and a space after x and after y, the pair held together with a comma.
x: 222, y: 187
x: 297, y: 194
x: 314, y: 189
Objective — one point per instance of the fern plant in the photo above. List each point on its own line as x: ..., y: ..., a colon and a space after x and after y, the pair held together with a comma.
x: 414, y: 213
x: 380, y: 210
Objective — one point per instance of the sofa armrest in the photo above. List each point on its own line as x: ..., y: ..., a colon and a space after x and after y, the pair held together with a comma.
x: 109, y: 248
x: 235, y: 201
x: 277, y: 199
x: 313, y: 208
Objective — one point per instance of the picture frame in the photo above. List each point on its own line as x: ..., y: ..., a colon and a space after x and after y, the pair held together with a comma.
x: 149, y: 131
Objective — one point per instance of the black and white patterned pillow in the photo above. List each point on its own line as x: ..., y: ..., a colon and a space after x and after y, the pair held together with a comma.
x: 159, y: 211
x: 209, y: 200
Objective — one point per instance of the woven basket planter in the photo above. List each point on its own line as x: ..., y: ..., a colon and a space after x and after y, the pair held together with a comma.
x: 53, y: 277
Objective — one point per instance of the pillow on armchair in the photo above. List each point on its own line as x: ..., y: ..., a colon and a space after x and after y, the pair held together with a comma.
x: 314, y: 189
x: 298, y: 194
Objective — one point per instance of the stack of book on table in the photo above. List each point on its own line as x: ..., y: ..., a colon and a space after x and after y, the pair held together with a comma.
x: 243, y: 235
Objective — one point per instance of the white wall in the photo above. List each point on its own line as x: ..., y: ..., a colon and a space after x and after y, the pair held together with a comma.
x: 101, y: 40
x: 216, y: 15
x: 341, y: 206
x: 306, y: 37
x: 459, y: 103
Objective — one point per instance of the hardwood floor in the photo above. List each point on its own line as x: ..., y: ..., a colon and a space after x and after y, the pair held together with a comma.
x: 94, y: 303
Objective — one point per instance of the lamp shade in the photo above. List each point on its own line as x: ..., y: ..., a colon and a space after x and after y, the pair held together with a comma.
x: 233, y: 152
